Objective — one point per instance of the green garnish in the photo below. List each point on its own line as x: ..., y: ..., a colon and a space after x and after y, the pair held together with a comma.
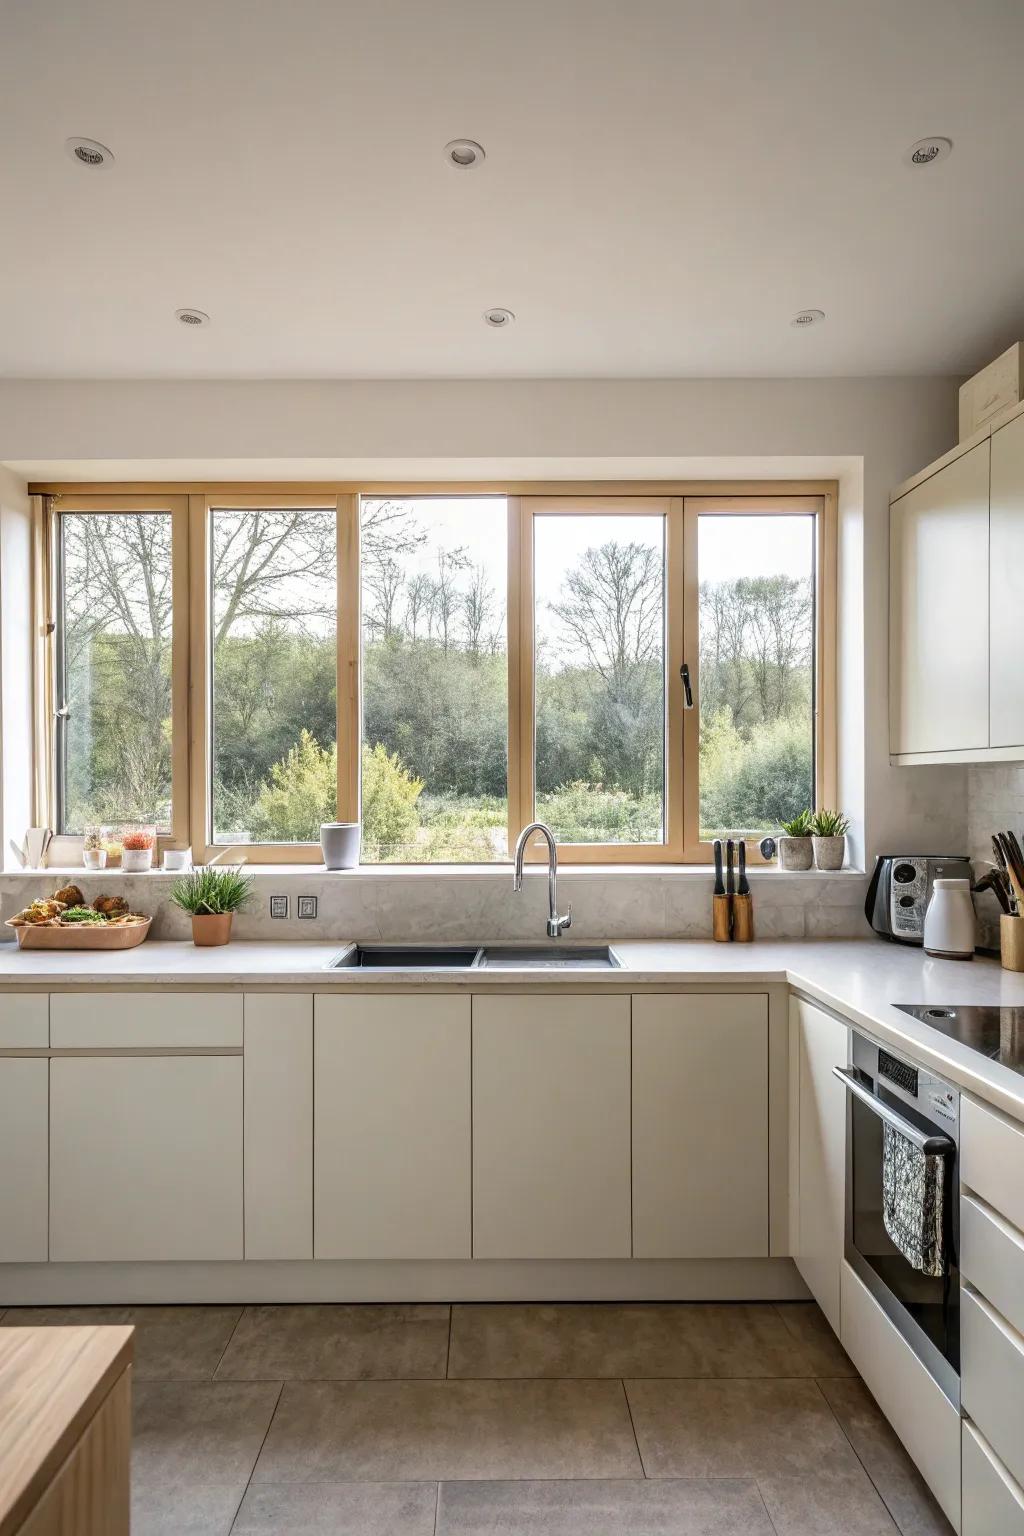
x: 81, y: 915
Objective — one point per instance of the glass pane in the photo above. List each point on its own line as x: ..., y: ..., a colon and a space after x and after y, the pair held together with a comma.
x: 274, y: 616
x: 756, y: 577
x: 599, y: 604
x: 115, y: 756
x: 435, y: 680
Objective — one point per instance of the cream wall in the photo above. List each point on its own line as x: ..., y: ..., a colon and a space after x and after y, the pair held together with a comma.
x: 869, y: 433
x: 15, y: 654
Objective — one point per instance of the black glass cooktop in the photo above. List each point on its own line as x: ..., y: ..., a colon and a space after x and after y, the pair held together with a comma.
x: 997, y: 1033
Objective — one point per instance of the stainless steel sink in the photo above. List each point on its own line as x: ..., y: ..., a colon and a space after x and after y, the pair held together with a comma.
x: 549, y: 957
x: 465, y: 957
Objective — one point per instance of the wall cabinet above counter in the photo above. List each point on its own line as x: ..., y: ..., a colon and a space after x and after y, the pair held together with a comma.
x: 956, y: 573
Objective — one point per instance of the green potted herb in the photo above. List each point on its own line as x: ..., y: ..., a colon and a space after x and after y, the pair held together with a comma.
x: 795, y: 843
x: 829, y: 839
x: 212, y: 896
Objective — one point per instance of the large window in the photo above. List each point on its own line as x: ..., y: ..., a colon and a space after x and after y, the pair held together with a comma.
x: 643, y: 669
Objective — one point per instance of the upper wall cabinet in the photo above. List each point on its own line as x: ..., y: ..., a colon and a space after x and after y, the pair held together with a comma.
x: 956, y: 585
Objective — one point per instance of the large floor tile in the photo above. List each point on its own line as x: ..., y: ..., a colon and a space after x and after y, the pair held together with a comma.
x: 171, y: 1343
x: 810, y: 1328
x: 696, y: 1507
x: 406, y: 1431
x: 338, y: 1509
x: 186, y: 1510
x: 309, y: 1343
x: 624, y: 1339
x: 736, y: 1429
x: 199, y: 1433
x: 842, y: 1505
x: 907, y: 1496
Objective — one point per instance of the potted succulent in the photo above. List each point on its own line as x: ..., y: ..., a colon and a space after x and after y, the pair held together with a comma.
x: 795, y: 843
x: 212, y: 896
x: 829, y: 839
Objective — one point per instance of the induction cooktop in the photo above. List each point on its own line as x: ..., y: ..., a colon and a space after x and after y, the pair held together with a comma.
x: 997, y: 1033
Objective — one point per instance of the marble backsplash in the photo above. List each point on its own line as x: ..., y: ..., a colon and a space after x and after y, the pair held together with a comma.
x: 427, y: 906
x: 995, y: 803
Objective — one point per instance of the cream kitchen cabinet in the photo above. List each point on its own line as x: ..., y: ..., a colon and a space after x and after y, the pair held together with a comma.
x: 145, y: 1157
x: 939, y: 611
x: 551, y: 1127
x: 24, y: 1158
x: 700, y: 1126
x: 1006, y: 577
x: 817, y: 1044
x: 393, y: 1138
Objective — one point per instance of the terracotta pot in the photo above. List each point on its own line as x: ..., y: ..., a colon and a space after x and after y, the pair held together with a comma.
x: 794, y: 853
x: 209, y: 928
x: 829, y: 852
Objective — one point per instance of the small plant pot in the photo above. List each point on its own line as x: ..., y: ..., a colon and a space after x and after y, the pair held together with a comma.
x: 795, y: 853
x: 210, y: 928
x: 829, y: 852
x: 94, y: 858
x: 135, y: 861
x: 340, y: 843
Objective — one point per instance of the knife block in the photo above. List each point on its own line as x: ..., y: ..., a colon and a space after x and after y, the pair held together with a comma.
x: 721, y: 919
x: 743, y: 919
x: 1011, y: 942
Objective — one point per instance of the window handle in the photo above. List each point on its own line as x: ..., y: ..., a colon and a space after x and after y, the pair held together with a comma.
x: 64, y: 713
x: 684, y: 673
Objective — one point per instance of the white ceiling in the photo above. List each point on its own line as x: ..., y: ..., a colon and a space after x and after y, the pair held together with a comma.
x: 666, y: 183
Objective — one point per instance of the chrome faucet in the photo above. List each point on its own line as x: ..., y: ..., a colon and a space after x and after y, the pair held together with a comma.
x: 556, y: 925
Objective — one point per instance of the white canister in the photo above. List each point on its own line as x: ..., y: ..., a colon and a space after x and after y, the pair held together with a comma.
x: 949, y: 921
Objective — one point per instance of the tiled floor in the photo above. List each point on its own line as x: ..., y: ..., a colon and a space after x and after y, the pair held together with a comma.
x: 582, y: 1420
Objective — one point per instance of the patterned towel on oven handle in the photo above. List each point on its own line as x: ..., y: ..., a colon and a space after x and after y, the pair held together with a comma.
x: 914, y: 1202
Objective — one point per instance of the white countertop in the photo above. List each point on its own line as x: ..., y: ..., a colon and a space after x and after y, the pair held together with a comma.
x: 859, y: 978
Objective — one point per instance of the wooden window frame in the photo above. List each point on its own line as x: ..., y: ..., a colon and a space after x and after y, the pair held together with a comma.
x: 680, y: 502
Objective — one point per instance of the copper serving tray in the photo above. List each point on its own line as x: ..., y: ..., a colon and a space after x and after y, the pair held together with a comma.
x: 81, y: 936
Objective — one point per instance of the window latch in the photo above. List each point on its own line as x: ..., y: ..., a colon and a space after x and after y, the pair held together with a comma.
x: 684, y: 673
x: 64, y: 713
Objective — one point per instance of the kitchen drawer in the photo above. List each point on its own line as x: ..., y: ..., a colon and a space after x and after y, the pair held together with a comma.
x: 24, y: 1021
x: 145, y: 1020
x: 992, y: 1158
x: 992, y: 1259
x: 993, y: 1501
x: 916, y: 1407
x: 992, y: 1378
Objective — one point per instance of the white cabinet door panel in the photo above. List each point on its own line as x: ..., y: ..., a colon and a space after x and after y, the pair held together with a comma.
x: 278, y: 1125
x: 24, y: 1021
x: 823, y: 1043
x: 1007, y: 585
x: 24, y: 1159
x: 700, y: 1127
x: 393, y: 1140
x: 146, y: 1157
x: 145, y: 1020
x: 939, y: 609
x: 551, y: 1136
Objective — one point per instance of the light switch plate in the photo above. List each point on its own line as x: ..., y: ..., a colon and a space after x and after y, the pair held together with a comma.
x: 279, y: 906
x: 307, y: 906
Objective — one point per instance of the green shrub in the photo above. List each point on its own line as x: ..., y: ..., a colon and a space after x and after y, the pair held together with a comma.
x: 390, y: 794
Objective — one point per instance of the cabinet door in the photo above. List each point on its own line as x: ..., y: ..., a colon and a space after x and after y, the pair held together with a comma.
x: 24, y: 1159
x: 938, y: 610
x: 700, y: 1127
x: 145, y: 1157
x: 392, y: 1145
x: 1007, y: 585
x: 822, y: 1043
x: 278, y: 1125
x: 551, y: 1142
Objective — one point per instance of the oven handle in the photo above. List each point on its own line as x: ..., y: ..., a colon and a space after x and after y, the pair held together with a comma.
x: 932, y: 1145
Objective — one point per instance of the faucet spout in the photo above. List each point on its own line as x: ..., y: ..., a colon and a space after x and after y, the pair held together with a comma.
x: 556, y: 925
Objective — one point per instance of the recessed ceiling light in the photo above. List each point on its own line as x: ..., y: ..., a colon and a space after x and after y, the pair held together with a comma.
x: 464, y: 154
x: 805, y: 317
x: 89, y: 152
x: 193, y: 317
x: 927, y: 151
x: 499, y: 319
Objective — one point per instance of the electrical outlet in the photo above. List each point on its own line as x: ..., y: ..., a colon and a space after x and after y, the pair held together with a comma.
x: 279, y: 906
x: 307, y: 906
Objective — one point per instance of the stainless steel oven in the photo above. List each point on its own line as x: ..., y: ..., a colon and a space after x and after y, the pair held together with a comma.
x: 882, y: 1088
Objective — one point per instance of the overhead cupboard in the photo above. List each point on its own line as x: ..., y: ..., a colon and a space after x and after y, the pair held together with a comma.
x: 956, y: 573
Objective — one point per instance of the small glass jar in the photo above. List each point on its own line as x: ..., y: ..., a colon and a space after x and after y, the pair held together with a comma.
x: 137, y: 844
x: 94, y: 847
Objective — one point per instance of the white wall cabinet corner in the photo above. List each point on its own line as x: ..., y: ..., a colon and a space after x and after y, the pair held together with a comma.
x: 820, y: 1043
x: 393, y: 1138
x: 700, y: 1126
x: 1007, y: 585
x: 145, y: 1157
x: 939, y: 608
x: 278, y: 1057
x: 24, y: 1159
x: 551, y: 1127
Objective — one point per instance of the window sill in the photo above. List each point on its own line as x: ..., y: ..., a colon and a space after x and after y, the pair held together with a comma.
x: 702, y: 872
